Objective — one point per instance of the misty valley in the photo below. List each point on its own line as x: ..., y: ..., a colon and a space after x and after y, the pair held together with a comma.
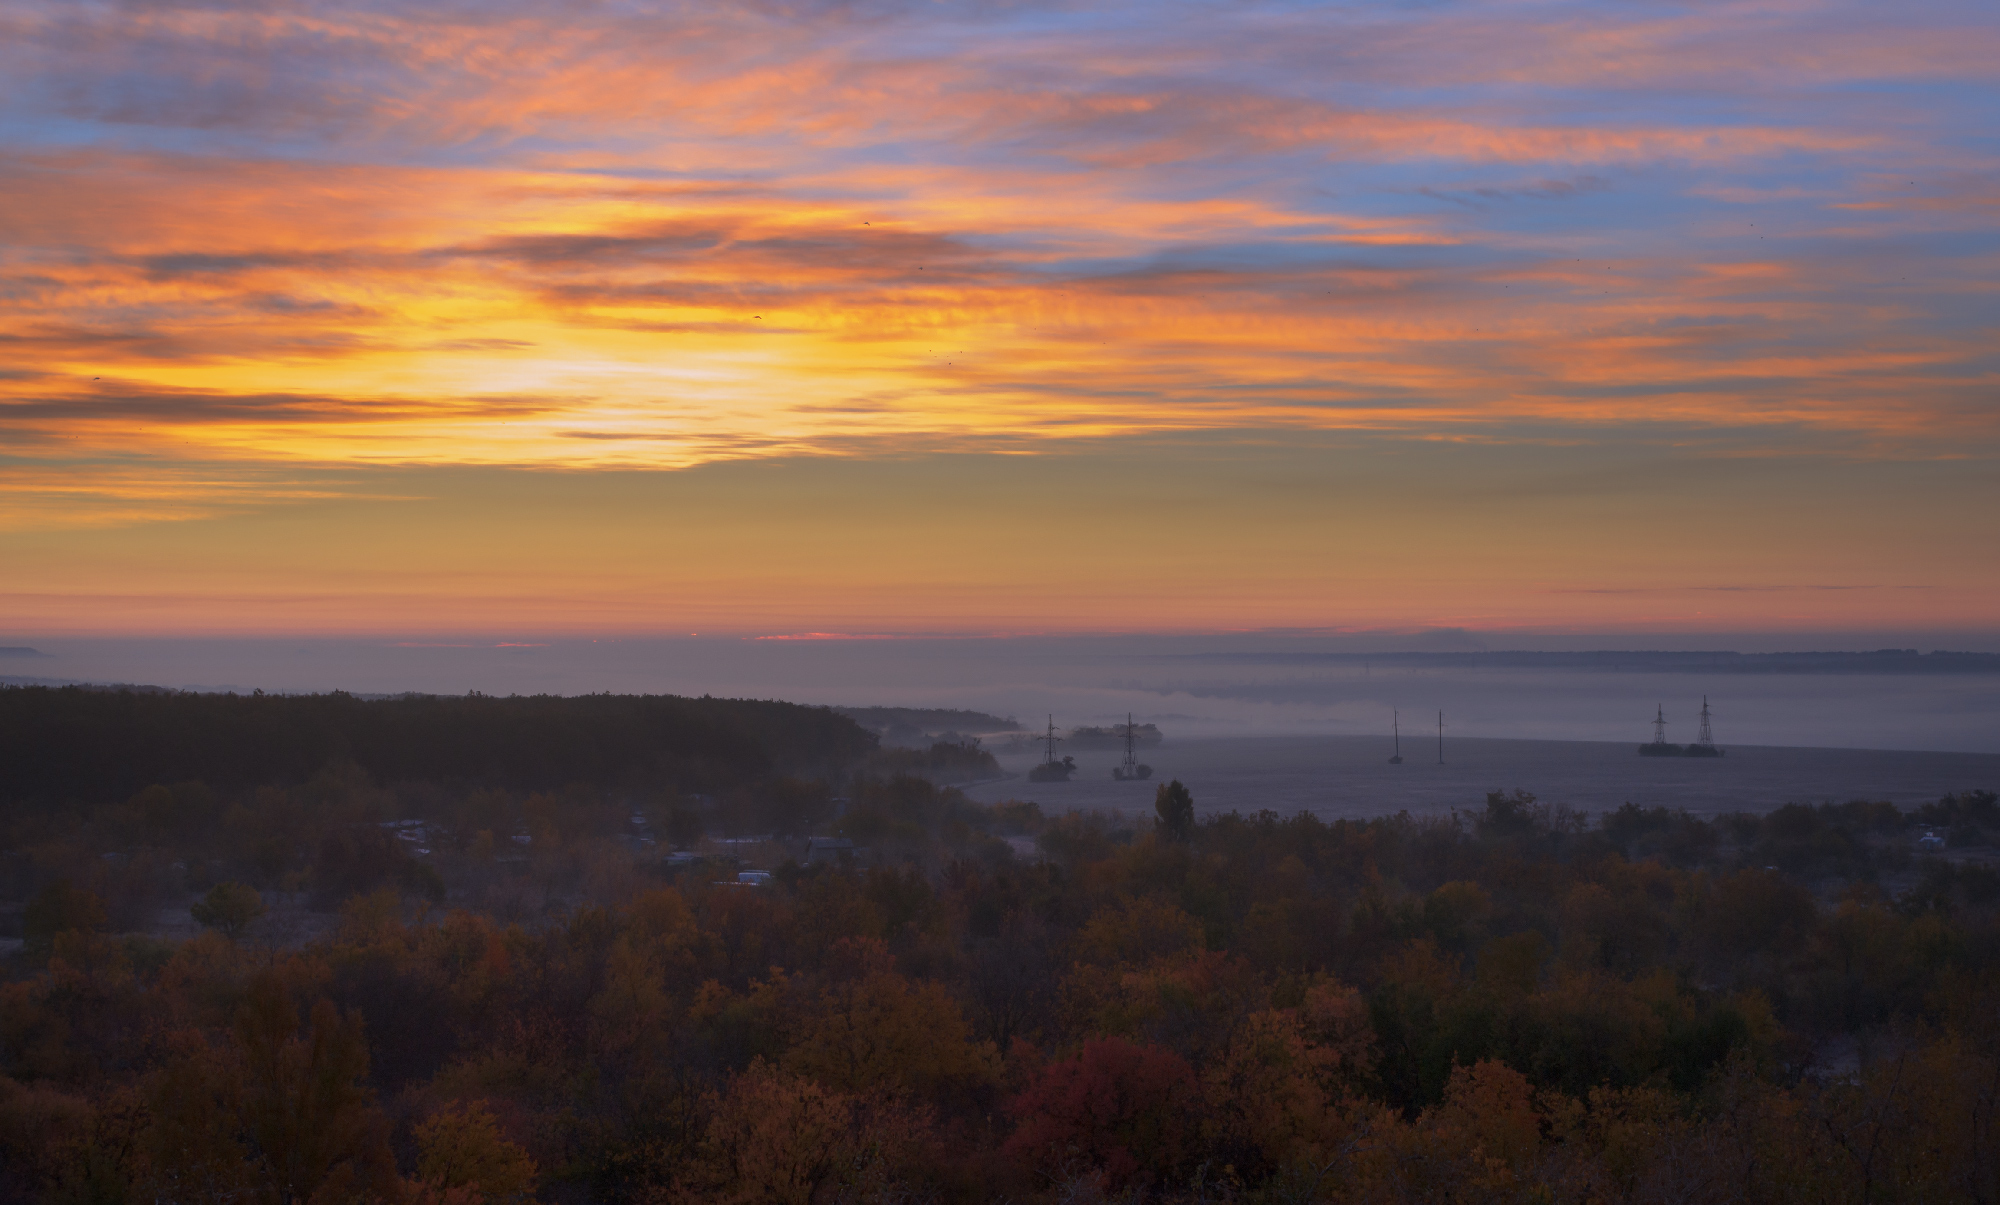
x: 649, y: 949
x: 945, y: 602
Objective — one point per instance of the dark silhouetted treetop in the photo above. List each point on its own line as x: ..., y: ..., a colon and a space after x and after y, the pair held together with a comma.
x: 1175, y: 804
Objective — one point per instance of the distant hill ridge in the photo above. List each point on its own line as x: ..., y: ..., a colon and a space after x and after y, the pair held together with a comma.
x: 1880, y: 661
x: 1145, y: 736
x: 928, y: 719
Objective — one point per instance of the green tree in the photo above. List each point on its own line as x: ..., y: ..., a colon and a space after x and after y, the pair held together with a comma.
x: 228, y: 908
x: 61, y: 907
x: 1175, y: 804
x: 304, y: 1103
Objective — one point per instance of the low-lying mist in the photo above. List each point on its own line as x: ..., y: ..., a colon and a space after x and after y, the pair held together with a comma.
x: 1189, y: 686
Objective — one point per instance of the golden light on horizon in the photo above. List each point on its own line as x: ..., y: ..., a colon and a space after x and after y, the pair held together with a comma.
x: 611, y: 246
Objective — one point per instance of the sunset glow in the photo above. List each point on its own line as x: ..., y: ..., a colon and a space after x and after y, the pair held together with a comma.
x: 811, y: 319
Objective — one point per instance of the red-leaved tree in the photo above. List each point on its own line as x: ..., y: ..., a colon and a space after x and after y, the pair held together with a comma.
x: 1125, y: 1112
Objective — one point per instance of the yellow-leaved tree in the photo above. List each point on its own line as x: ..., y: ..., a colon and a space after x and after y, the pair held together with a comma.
x: 884, y: 1034
x: 464, y: 1157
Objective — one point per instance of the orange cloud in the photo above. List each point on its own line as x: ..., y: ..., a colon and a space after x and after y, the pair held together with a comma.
x: 252, y: 252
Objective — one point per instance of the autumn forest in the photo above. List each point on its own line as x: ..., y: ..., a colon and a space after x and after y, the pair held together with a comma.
x: 327, y: 949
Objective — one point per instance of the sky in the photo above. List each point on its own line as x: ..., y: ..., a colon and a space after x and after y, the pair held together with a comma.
x: 916, y: 317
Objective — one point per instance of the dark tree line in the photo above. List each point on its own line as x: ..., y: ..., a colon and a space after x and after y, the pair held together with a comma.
x: 81, y: 745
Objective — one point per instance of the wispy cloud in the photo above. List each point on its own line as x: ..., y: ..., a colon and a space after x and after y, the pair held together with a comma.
x: 519, y: 233
x: 838, y: 636
x: 1765, y: 589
